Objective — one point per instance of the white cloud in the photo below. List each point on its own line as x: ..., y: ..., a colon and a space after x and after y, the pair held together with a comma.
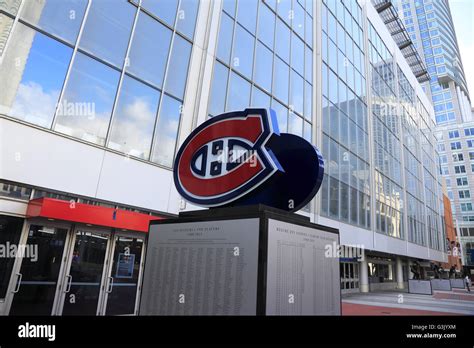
x: 35, y: 105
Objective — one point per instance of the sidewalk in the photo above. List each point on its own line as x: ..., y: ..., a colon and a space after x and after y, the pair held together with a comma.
x: 403, y: 303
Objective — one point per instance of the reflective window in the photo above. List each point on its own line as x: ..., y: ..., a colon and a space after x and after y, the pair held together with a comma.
x: 62, y: 18
x: 225, y: 38
x: 282, y: 43
x: 166, y: 131
x: 263, y: 67
x: 85, y: 108
x: 295, y: 125
x: 284, y: 10
x: 260, y: 99
x: 242, y: 55
x: 298, y: 19
x: 239, y: 93
x: 266, y: 26
x: 307, y: 131
x: 282, y: 115
x: 297, y: 54
x: 147, y: 60
x: 178, y: 67
x: 247, y: 14
x: 107, y: 30
x: 164, y: 10
x: 134, y: 118
x: 280, y: 80
x: 187, y: 15
x: 308, y: 63
x: 297, y: 86
x: 308, y: 101
x: 229, y: 6
x: 218, y: 89
x: 32, y: 75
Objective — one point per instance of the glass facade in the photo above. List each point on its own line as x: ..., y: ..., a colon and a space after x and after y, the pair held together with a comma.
x: 264, y: 58
x: 115, y: 77
x: 389, y: 194
x: 345, y: 194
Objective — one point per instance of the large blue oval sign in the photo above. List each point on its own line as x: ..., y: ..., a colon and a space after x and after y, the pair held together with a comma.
x: 240, y: 158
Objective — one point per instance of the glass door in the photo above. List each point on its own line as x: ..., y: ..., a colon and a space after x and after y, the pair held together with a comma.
x: 124, y: 276
x: 83, y: 283
x: 36, y: 281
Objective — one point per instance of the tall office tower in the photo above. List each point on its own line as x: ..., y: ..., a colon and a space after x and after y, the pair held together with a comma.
x: 98, y: 95
x: 431, y: 28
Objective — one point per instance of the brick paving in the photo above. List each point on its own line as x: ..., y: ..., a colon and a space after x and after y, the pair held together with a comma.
x: 403, y: 303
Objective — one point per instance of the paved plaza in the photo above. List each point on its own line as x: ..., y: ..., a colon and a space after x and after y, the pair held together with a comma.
x: 456, y: 302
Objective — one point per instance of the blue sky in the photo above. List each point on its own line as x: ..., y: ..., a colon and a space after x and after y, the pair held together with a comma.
x: 463, y: 17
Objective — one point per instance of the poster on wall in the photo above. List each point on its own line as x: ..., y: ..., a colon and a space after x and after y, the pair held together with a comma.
x: 125, y: 265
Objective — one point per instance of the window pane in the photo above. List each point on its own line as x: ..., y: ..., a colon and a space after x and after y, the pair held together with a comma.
x: 295, y: 125
x: 164, y: 10
x: 167, y: 131
x: 307, y: 131
x: 178, y: 67
x: 282, y: 115
x: 297, y: 86
x: 266, y: 25
x: 282, y: 44
x: 239, y: 93
x: 298, y: 19
x: 247, y: 14
x: 147, y: 60
x: 134, y: 118
x: 309, y: 30
x: 32, y: 75
x: 284, y: 10
x: 263, y: 67
x: 87, y: 102
x: 308, y: 63
x: 187, y: 14
x: 219, y: 89
x: 59, y: 17
x: 308, y: 101
x: 243, y: 52
x: 225, y: 38
x: 280, y: 82
x: 229, y: 7
x: 107, y: 30
x: 260, y: 99
x: 297, y: 54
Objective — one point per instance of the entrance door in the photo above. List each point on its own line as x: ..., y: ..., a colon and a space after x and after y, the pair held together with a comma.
x: 36, y: 280
x: 349, y: 277
x: 124, y: 276
x: 83, y: 285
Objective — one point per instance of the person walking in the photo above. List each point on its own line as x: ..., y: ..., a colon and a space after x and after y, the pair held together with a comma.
x: 468, y: 283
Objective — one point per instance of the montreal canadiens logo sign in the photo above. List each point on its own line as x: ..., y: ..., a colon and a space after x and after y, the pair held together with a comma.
x: 241, y: 158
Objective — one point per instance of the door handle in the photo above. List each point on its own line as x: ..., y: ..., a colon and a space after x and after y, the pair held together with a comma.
x: 18, y: 284
x: 69, y: 282
x: 111, y: 285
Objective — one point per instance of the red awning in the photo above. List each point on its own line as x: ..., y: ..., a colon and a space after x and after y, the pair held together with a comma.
x: 89, y: 214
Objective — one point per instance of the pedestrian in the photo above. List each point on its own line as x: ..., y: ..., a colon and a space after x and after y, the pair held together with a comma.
x: 468, y: 283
